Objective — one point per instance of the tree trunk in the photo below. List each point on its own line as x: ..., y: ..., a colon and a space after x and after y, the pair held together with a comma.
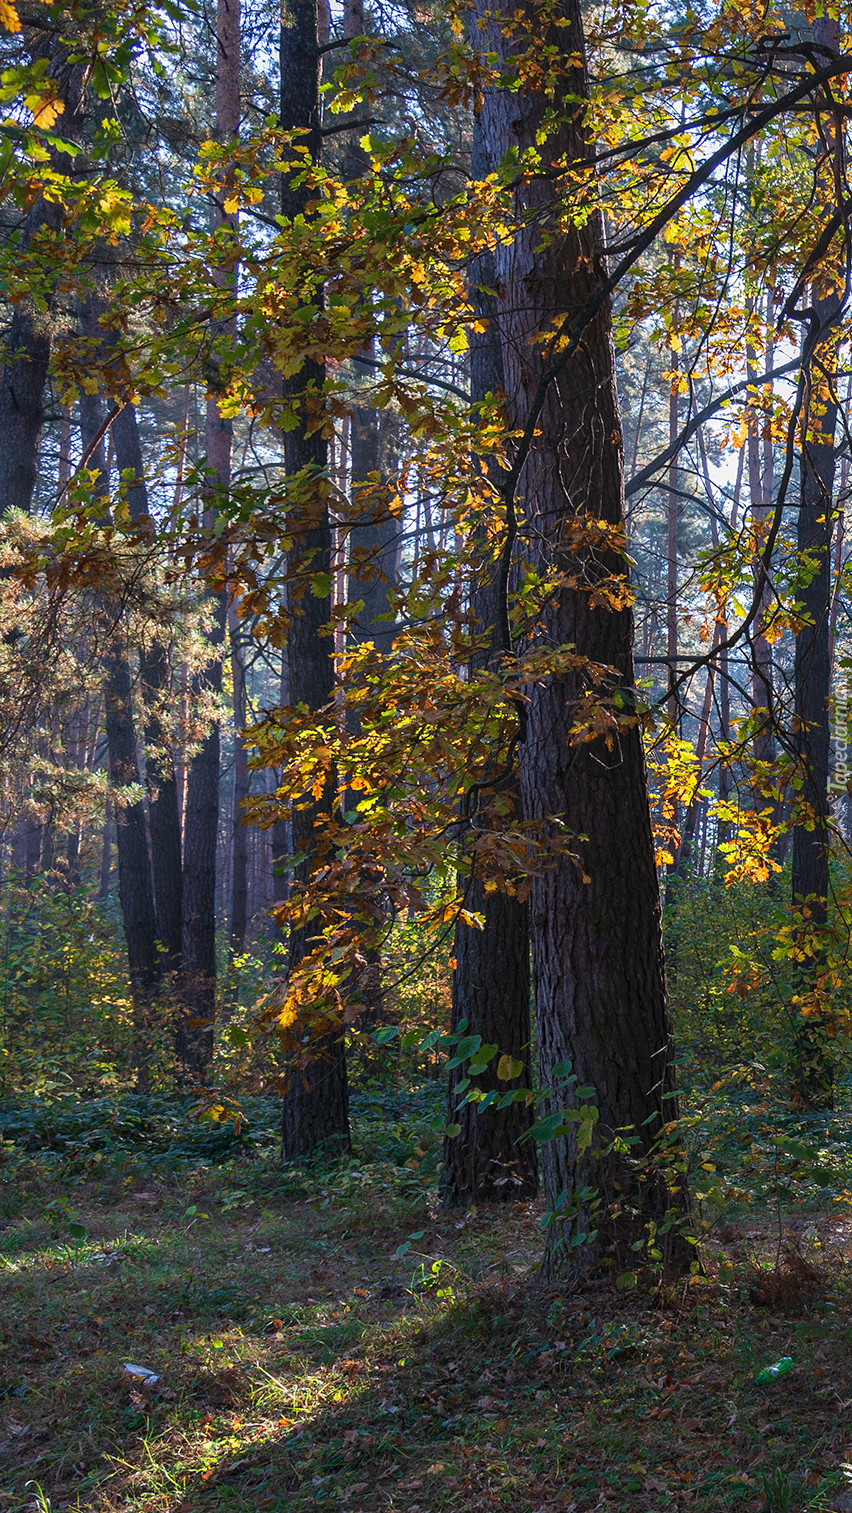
x: 163, y: 816
x: 598, y: 966
x: 491, y: 980
x: 239, y: 866
x: 23, y: 380
x: 201, y: 822
x: 135, y: 892
x: 22, y: 386
x: 812, y: 1075
x: 315, y: 1106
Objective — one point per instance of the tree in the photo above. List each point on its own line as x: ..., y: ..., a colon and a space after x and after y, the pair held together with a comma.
x: 201, y: 822
x: 488, y: 1157
x: 598, y: 968
x: 315, y: 1105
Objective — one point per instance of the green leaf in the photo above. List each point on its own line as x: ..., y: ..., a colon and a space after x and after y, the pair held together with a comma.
x: 627, y: 1279
x: 479, y: 1062
x: 453, y: 1130
x: 387, y: 1033
x: 77, y: 1231
x: 508, y: 1068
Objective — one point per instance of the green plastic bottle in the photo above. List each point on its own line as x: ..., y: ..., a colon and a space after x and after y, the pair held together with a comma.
x: 772, y: 1373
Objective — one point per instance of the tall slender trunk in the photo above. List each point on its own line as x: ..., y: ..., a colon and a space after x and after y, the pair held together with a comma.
x: 163, y: 817
x: 812, y: 1077
x: 239, y: 863
x: 135, y: 890
x: 201, y: 822
x: 598, y: 966
x: 491, y: 980
x: 315, y: 1106
x: 724, y: 829
x: 760, y: 482
x: 672, y: 512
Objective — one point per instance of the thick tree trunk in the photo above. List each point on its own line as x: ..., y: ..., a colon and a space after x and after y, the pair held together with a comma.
x: 315, y: 1106
x: 22, y: 387
x: 23, y: 380
x: 491, y: 980
x: 598, y: 967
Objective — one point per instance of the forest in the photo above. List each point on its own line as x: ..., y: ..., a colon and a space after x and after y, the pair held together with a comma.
x: 425, y: 756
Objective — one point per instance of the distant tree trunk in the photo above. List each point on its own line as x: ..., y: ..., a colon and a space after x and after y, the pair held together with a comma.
x: 672, y: 512
x: 598, y: 967
x: 201, y: 821
x: 724, y: 831
x: 491, y: 980
x: 239, y: 871
x: 106, y: 855
x: 163, y: 816
x: 135, y: 891
x: 315, y: 1106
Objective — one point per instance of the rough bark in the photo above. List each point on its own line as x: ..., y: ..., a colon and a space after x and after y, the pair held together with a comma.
x: 598, y: 966
x: 23, y: 386
x: 812, y: 1077
x: 23, y: 381
x: 811, y: 1073
x: 491, y: 980
x: 315, y: 1106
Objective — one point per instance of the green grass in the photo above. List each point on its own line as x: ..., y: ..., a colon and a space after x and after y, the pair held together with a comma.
x: 303, y: 1365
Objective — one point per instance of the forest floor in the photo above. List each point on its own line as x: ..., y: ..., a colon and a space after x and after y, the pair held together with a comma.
x: 301, y: 1363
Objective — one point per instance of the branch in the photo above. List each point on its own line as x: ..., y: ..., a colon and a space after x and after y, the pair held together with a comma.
x: 92, y: 447
x: 574, y: 330
x: 646, y: 474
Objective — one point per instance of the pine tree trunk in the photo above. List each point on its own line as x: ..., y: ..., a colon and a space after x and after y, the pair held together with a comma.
x: 23, y: 380
x: 812, y: 1072
x: 598, y: 967
x: 315, y: 1106
x: 491, y: 980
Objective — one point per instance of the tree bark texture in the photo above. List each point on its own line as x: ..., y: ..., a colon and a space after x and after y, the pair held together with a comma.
x: 812, y: 1075
x: 23, y: 386
x: 812, y: 1072
x: 315, y: 1106
x: 491, y: 979
x: 598, y: 967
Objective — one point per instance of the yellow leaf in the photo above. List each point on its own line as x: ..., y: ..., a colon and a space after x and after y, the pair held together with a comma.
x: 232, y: 204
x: 9, y: 17
x: 508, y: 1068
x: 49, y: 111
